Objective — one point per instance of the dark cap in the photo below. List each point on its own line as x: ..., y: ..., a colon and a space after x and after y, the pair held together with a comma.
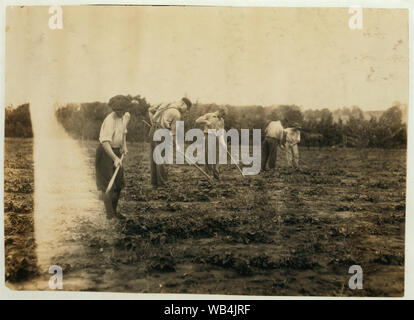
x: 119, y: 103
x: 187, y: 102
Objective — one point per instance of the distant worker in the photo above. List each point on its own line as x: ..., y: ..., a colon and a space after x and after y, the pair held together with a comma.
x: 291, y: 145
x: 112, y: 138
x: 164, y: 116
x: 272, y: 138
x: 213, y: 120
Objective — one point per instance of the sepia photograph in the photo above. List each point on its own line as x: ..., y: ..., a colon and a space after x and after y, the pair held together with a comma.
x: 206, y: 150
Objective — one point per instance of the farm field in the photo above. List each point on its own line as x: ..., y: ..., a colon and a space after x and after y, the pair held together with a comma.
x: 277, y: 233
x: 20, y: 256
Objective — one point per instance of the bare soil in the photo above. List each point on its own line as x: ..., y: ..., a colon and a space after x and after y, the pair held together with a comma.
x: 277, y: 233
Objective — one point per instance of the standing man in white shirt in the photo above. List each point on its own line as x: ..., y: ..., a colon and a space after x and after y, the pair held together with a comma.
x: 291, y: 145
x: 112, y: 145
x: 274, y: 136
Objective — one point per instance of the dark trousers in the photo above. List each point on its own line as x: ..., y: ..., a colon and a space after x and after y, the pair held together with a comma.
x: 269, y: 152
x: 111, y: 202
x: 104, y: 167
x: 212, y: 168
x: 159, y: 172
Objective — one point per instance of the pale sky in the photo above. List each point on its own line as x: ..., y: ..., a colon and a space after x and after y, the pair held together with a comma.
x: 240, y: 56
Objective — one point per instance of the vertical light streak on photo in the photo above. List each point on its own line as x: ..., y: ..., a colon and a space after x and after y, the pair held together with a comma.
x: 65, y: 193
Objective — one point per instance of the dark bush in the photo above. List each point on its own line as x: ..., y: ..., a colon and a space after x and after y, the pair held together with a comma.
x: 18, y: 122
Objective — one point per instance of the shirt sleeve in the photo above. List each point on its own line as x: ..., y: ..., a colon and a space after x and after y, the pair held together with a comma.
x: 175, y: 116
x: 219, y: 128
x: 107, y: 130
x: 266, y: 130
x: 124, y: 122
x: 221, y: 124
x: 201, y: 119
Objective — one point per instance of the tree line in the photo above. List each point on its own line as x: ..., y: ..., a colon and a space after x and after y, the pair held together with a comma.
x: 17, y: 122
x: 346, y: 127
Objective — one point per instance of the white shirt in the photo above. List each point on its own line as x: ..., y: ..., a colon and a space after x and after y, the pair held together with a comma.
x: 211, y: 121
x: 292, y: 136
x: 274, y: 130
x: 167, y: 114
x: 113, y: 129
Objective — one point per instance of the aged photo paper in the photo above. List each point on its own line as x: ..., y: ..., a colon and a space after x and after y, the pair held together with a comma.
x: 212, y: 150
